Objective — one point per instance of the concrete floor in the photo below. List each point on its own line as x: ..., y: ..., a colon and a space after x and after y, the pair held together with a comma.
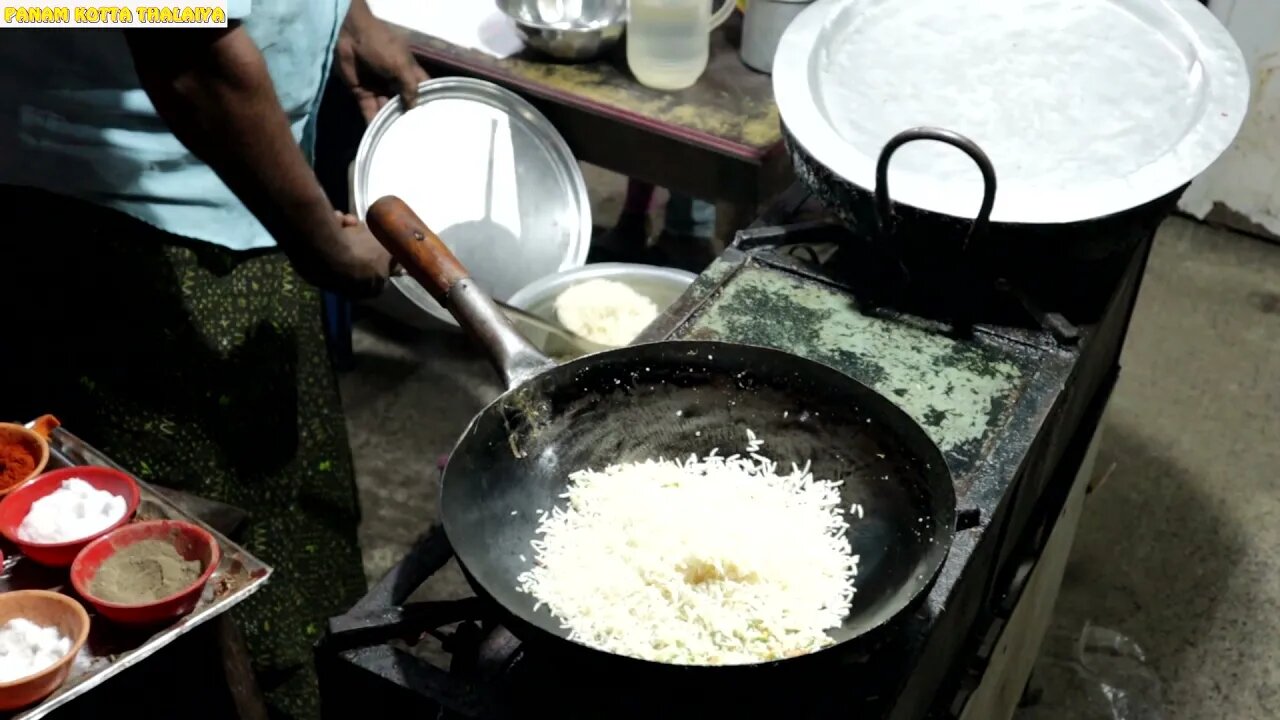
x: 1179, y: 549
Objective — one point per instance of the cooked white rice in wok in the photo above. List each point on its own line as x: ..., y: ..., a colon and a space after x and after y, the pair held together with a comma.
x: 710, y: 561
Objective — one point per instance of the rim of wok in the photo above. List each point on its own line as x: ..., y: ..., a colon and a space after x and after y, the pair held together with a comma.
x: 934, y: 474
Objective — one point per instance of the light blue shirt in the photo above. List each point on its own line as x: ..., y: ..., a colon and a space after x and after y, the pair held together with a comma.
x: 75, y: 120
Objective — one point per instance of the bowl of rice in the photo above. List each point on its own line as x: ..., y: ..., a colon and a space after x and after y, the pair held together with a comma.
x: 609, y: 303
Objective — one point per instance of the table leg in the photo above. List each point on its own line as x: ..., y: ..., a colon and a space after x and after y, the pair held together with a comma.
x: 236, y: 666
x: 730, y: 218
x: 238, y: 671
x: 338, y: 328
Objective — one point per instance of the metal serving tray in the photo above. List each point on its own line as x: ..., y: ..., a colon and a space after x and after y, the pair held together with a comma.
x: 111, y: 649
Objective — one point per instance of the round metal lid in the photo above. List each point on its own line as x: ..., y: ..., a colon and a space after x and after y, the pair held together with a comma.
x: 488, y: 173
x: 1086, y: 108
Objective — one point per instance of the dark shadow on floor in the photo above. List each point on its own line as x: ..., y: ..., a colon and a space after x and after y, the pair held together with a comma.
x: 1151, y: 558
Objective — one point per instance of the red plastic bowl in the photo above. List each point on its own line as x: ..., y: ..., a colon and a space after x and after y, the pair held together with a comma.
x: 15, y: 506
x: 192, y: 543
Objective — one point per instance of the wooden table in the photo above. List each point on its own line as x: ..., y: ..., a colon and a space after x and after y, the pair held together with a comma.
x: 719, y: 140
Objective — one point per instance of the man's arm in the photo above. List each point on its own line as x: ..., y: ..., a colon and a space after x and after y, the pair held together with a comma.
x: 213, y: 90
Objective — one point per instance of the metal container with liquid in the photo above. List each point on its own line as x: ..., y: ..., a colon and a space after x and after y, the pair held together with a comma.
x: 763, y: 23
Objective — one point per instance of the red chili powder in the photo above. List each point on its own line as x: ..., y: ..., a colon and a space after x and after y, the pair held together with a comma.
x: 16, y: 464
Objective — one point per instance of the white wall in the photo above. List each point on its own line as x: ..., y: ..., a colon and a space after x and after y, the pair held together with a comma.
x: 1243, y: 188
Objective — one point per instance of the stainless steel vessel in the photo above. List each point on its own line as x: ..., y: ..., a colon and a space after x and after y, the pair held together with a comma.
x: 763, y: 23
x: 662, y: 285
x: 568, y: 29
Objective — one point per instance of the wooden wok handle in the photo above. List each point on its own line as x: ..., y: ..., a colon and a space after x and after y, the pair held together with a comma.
x: 415, y: 247
x: 428, y: 261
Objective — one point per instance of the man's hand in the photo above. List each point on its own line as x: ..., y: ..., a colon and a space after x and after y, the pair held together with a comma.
x: 366, y: 265
x: 375, y: 61
x: 347, y: 259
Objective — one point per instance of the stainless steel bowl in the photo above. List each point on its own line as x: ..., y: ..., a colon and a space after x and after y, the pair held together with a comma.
x: 661, y: 285
x: 568, y: 29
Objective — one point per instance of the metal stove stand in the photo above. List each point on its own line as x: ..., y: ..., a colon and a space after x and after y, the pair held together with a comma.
x: 1011, y: 397
x: 365, y: 659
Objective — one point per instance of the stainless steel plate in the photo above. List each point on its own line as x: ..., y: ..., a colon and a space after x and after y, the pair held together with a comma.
x: 488, y: 173
x: 1086, y: 107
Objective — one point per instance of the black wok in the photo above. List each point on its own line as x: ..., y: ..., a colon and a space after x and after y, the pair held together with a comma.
x: 653, y: 400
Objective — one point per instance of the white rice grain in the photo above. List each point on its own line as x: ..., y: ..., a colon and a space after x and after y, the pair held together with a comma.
x: 605, y: 311
x: 696, y: 561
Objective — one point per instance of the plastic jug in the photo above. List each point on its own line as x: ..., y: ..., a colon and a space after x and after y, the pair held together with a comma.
x: 668, y: 41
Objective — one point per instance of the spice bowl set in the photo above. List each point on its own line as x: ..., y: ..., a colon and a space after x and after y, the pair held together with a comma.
x: 100, y: 570
x: 144, y: 573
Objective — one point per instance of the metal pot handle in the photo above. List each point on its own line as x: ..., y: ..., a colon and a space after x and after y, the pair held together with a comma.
x: 884, y: 205
x: 426, y: 259
x: 719, y: 17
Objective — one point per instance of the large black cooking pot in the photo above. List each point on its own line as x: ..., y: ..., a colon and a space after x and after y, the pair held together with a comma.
x: 1057, y: 267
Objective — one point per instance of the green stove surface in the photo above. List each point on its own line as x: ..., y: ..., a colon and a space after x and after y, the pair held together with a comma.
x: 959, y: 389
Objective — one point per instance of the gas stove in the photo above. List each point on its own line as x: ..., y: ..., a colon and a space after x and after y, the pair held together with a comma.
x: 1009, y: 389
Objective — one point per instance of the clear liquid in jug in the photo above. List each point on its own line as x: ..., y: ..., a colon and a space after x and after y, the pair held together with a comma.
x: 668, y: 42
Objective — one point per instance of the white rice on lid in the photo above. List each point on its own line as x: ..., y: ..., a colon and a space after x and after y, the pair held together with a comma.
x: 605, y: 311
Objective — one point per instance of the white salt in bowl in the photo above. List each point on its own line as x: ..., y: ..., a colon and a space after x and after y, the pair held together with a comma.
x: 15, y: 506
x: 46, y: 609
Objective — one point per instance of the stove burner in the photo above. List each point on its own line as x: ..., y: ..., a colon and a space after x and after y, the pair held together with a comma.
x: 492, y: 674
x: 498, y: 652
